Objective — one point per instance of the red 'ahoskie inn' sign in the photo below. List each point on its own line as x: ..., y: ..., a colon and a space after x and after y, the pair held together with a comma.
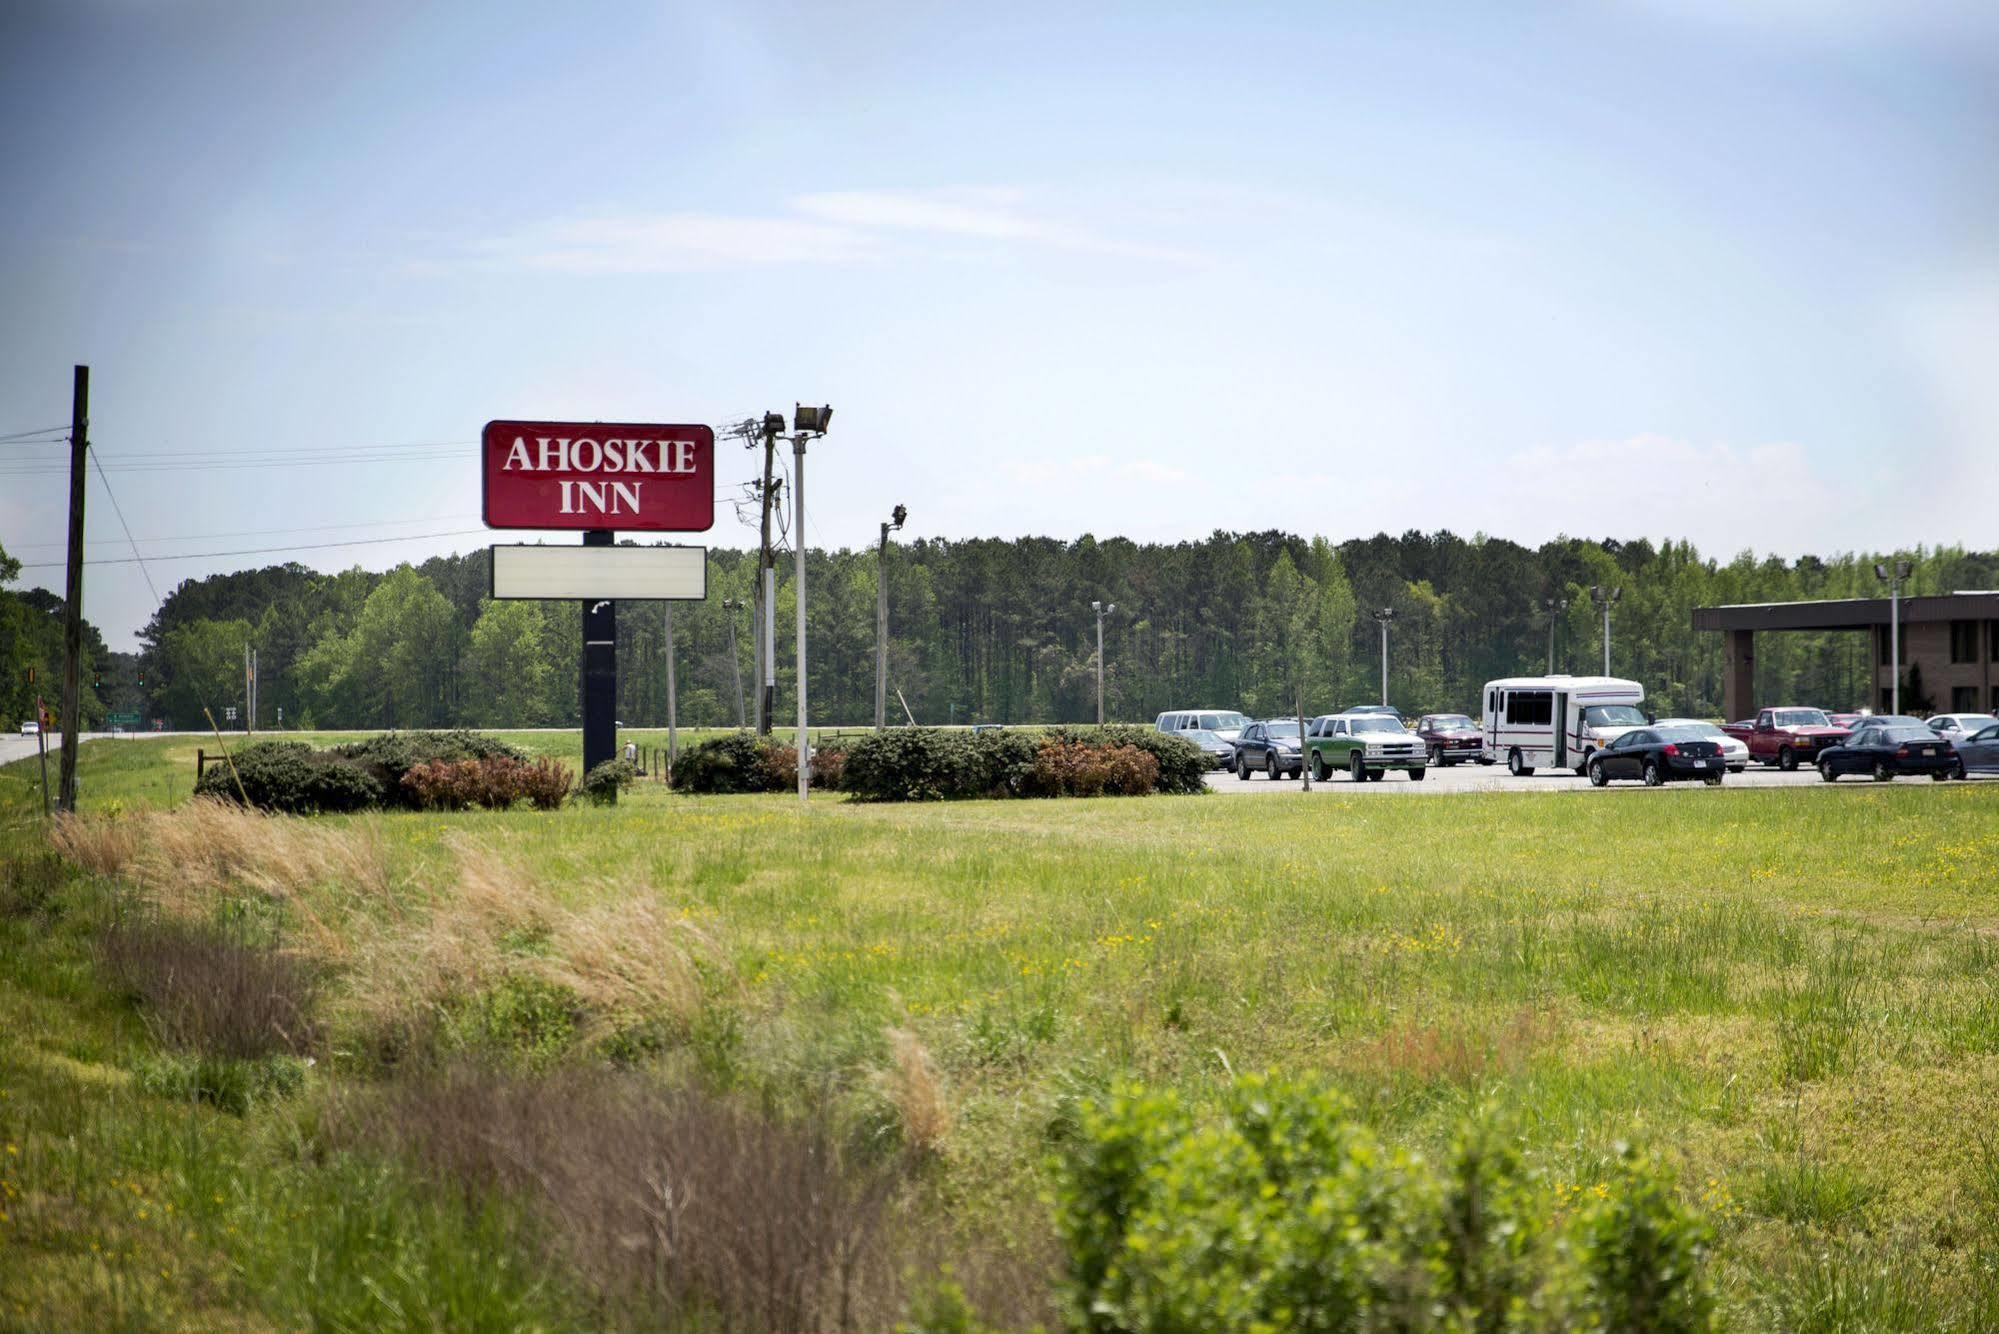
x: 599, y: 475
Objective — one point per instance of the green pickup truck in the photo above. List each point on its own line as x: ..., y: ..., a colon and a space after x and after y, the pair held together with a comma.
x: 1364, y: 746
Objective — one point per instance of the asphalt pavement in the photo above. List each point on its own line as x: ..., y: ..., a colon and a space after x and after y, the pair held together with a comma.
x: 1494, y: 778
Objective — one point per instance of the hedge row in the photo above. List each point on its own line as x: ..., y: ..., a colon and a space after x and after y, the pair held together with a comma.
x: 745, y: 762
x: 293, y: 778
x: 931, y: 764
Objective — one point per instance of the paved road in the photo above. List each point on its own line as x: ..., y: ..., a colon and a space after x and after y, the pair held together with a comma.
x: 1494, y: 778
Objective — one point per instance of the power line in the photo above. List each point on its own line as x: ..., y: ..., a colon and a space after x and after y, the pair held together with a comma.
x: 118, y: 510
x: 264, y: 551
x: 62, y: 432
x: 273, y: 532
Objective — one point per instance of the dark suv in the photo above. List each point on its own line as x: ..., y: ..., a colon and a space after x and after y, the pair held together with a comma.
x: 1271, y: 746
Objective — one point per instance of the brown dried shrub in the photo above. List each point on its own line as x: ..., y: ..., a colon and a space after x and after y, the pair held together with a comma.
x: 496, y: 782
x: 1079, y: 769
x: 1465, y: 1051
x: 204, y: 988
x: 915, y: 1088
x: 679, y: 1203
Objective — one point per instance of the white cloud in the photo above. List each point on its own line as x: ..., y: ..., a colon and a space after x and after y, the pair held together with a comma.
x: 828, y: 228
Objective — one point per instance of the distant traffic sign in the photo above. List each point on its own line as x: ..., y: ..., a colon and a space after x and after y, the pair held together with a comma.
x: 601, y: 475
x: 122, y: 719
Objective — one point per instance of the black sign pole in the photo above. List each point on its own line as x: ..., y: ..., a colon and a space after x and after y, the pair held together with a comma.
x: 600, y: 669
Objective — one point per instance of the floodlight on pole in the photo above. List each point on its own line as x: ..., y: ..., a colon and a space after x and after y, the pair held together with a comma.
x: 1382, y: 617
x: 1894, y: 580
x: 897, y: 517
x: 807, y: 422
x: 1605, y: 598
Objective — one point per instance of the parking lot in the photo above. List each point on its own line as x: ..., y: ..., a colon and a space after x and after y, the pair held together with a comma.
x: 1494, y: 778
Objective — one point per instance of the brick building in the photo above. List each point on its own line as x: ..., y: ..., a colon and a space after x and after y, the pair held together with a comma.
x: 1952, y: 638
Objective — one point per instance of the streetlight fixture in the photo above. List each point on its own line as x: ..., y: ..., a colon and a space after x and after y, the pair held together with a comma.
x: 1894, y: 580
x: 732, y: 606
x: 806, y: 423
x: 897, y: 518
x: 1605, y: 598
x: 1102, y: 609
x: 1555, y: 606
x: 1382, y: 617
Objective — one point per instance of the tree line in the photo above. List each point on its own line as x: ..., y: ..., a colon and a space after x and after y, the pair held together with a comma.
x: 986, y: 629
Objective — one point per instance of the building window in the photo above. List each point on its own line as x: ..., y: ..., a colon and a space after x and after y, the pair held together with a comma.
x: 1964, y: 641
x: 1992, y: 641
x: 1887, y: 704
x: 1964, y: 699
x: 1881, y: 646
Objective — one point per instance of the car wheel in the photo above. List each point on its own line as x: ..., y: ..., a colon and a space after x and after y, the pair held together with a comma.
x: 1787, y: 760
x: 1517, y: 765
x: 1320, y: 771
x: 1653, y: 778
x: 1826, y: 771
x: 1881, y: 774
x: 1356, y: 767
x: 1940, y: 775
x: 1437, y: 755
x: 1270, y: 765
x: 1712, y: 780
x: 1374, y: 775
x: 1597, y: 777
x: 1417, y: 775
x: 1242, y: 768
x: 1487, y: 761
x: 1960, y: 774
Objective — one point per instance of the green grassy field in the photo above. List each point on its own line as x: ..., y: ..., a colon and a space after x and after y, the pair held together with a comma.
x: 1792, y: 996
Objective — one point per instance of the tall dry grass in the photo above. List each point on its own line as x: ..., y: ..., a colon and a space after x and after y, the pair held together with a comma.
x: 915, y: 1088
x: 404, y: 944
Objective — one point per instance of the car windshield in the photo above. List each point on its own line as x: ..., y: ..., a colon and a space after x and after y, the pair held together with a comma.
x: 1800, y: 718
x: 1446, y: 722
x: 1897, y: 735
x: 1682, y: 734
x: 1708, y: 730
x: 1201, y: 737
x: 1613, y: 715
x: 1373, y: 724
x: 1287, y: 729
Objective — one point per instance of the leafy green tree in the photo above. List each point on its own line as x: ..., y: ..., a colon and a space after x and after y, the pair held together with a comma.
x: 507, y: 667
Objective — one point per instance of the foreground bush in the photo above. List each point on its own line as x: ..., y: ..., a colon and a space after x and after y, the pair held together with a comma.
x: 293, y: 778
x: 389, y: 756
x: 931, y: 764
x: 205, y: 989
x: 1284, y: 1212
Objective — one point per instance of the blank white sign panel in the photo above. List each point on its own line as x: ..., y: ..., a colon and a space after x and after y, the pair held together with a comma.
x: 625, y: 574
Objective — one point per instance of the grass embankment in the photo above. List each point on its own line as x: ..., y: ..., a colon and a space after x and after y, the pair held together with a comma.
x: 1791, y: 995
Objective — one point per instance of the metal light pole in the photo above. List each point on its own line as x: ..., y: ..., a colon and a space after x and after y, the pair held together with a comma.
x: 1555, y: 606
x: 732, y: 605
x: 897, y: 516
x: 1894, y: 580
x: 1382, y: 618
x: 1102, y: 609
x: 672, y: 697
x: 806, y: 423
x: 1604, y: 598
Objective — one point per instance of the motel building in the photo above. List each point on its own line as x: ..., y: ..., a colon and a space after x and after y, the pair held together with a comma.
x: 1952, y: 637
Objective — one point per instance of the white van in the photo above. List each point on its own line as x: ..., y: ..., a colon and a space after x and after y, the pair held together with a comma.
x: 1224, y: 723
x: 1558, y: 721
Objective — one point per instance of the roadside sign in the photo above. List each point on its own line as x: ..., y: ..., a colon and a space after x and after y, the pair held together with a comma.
x: 623, y: 574
x: 229, y: 714
x: 122, y: 719
x: 598, y: 475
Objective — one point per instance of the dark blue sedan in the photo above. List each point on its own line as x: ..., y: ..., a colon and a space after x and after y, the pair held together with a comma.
x: 1888, y: 749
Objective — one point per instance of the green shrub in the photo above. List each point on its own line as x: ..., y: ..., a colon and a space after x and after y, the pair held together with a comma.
x: 220, y: 1081
x: 1002, y: 763
x: 1282, y: 1211
x: 519, y: 1020
x: 603, y: 783
x: 292, y: 777
x: 911, y: 764
x: 722, y: 765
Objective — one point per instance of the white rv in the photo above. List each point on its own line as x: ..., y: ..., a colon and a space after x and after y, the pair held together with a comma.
x: 1557, y: 721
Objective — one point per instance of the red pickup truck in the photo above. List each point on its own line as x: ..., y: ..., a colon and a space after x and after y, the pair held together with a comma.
x: 1786, y: 737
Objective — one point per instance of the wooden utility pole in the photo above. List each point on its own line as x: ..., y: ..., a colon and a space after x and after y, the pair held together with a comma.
x: 72, y: 610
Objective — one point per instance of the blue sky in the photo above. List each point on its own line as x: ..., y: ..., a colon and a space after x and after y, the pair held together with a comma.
x: 1672, y: 268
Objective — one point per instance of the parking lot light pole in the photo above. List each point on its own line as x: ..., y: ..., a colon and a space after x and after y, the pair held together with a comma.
x: 1555, y: 606
x: 806, y: 423
x: 1382, y: 618
x: 896, y: 520
x: 1604, y: 598
x: 1101, y: 609
x: 1894, y: 580
x: 732, y: 606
